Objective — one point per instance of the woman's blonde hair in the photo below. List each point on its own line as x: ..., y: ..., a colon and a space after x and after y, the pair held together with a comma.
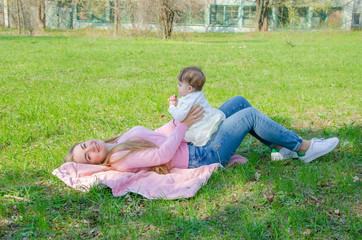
x: 131, y: 146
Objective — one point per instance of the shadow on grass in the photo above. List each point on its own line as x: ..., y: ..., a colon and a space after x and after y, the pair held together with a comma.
x: 229, y: 223
x: 248, y: 219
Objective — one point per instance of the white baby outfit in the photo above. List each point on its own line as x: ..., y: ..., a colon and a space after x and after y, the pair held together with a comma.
x: 200, y: 132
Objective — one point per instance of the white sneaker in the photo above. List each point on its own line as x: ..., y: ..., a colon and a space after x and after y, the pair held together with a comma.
x: 318, y: 148
x: 283, y: 154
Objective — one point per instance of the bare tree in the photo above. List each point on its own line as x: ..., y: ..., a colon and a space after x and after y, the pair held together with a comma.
x: 262, y: 10
x: 5, y: 13
x: 138, y: 12
x: 18, y: 15
x: 120, y: 9
x: 23, y: 15
x: 101, y: 8
x: 133, y: 7
x: 261, y: 15
x: 41, y: 13
x: 115, y: 18
x: 167, y: 11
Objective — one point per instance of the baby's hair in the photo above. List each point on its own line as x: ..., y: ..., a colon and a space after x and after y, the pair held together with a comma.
x: 193, y: 76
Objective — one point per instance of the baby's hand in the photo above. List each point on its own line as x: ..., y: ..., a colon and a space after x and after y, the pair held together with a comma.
x: 173, y: 100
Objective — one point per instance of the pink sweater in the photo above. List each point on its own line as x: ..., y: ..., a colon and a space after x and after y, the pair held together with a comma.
x: 171, y: 148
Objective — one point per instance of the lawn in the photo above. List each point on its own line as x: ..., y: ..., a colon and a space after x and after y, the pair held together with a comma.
x: 59, y: 90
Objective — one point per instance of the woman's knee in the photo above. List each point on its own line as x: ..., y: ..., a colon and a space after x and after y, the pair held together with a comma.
x: 241, y: 101
x: 234, y: 105
x: 250, y: 113
x: 237, y: 103
x: 253, y: 111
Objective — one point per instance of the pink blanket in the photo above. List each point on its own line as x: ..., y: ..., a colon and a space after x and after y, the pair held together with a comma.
x: 179, y: 183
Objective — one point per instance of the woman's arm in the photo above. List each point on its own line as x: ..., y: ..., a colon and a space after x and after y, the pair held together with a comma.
x: 196, y: 114
x: 152, y: 156
x: 167, y: 129
x: 164, y: 153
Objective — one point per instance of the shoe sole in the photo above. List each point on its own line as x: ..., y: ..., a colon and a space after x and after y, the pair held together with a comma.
x: 320, y: 154
x: 279, y: 157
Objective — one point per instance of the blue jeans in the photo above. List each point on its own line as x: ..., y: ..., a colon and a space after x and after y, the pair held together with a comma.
x: 241, y: 119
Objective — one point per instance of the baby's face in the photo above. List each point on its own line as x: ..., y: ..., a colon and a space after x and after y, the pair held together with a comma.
x: 184, y: 88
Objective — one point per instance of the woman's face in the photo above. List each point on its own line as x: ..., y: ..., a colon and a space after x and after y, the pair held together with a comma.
x: 92, y: 151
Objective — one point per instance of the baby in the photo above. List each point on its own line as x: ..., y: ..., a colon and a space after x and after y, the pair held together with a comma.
x: 190, y: 83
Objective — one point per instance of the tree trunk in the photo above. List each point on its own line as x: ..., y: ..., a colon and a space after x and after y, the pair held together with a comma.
x: 258, y: 14
x: 133, y: 22
x: 167, y: 17
x: 6, y: 14
x: 116, y: 24
x: 24, y: 16
x: 8, y: 9
x: 265, y: 18
x: 41, y: 14
x: 132, y: 7
x: 18, y: 15
x: 261, y: 15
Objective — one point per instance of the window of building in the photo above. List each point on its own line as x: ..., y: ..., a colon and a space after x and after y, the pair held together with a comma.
x: 355, y: 18
x: 319, y: 18
x: 283, y: 17
x: 334, y: 17
x: 217, y: 15
x: 64, y: 3
x: 194, y: 16
x: 224, y: 15
x: 92, y: 11
x: 249, y: 16
x: 295, y: 18
x: 83, y: 11
x: 302, y: 17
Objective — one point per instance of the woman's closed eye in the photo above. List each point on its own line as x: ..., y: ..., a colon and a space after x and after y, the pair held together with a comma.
x: 86, y: 155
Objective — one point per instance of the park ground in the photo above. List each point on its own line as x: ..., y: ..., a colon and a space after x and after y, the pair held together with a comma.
x: 62, y: 88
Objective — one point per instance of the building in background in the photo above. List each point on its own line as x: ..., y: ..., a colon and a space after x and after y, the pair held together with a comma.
x: 212, y: 16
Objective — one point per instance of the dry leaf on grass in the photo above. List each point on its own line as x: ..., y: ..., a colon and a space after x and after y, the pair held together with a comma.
x: 6, y: 222
x: 17, y: 198
x: 307, y: 232
x: 270, y: 195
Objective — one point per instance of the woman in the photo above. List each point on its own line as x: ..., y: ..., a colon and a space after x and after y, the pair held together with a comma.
x: 164, y: 148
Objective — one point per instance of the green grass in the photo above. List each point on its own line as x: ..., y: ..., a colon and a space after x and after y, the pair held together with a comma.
x: 56, y: 90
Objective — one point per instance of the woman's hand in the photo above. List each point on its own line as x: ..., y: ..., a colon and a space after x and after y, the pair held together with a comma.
x: 196, y: 114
